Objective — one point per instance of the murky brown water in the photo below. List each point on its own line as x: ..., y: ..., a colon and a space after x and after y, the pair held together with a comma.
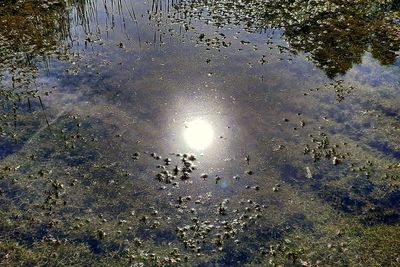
x: 199, y: 133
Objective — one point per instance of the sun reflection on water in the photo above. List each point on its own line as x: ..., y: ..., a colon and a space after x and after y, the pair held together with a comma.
x: 198, y: 134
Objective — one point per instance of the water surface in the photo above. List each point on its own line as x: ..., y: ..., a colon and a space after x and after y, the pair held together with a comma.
x: 200, y: 133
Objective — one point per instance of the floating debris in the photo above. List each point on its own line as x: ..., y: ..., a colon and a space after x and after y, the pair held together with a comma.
x: 204, y: 176
x: 308, y: 173
x: 335, y: 161
x: 276, y: 188
x: 249, y: 172
x: 247, y: 158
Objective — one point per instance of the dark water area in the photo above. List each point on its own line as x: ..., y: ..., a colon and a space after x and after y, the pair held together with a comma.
x: 199, y: 133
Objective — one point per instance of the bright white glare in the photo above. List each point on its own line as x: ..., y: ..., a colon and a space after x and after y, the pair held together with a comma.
x: 198, y: 134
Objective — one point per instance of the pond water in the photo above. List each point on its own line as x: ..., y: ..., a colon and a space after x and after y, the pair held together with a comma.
x: 199, y: 133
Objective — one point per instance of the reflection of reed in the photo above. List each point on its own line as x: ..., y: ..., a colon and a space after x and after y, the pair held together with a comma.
x: 32, y: 34
x: 163, y: 5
